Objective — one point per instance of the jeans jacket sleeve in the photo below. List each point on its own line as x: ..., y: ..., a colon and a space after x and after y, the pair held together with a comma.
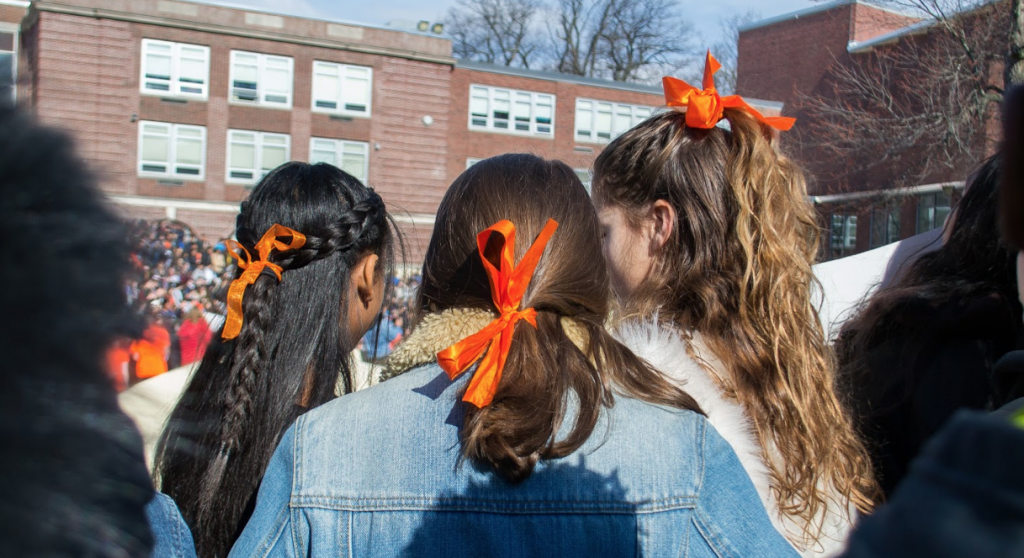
x: 269, y: 531
x: 730, y: 518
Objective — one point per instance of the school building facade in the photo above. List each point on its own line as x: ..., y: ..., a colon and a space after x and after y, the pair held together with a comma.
x: 181, y: 107
x: 791, y: 58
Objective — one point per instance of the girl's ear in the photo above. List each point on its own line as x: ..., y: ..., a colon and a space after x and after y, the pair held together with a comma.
x: 365, y: 279
x: 662, y: 218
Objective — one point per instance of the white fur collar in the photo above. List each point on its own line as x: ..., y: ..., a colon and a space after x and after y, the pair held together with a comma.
x: 673, y: 354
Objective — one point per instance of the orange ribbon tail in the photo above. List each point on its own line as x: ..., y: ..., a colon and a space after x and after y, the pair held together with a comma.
x: 253, y: 269
x: 508, y: 285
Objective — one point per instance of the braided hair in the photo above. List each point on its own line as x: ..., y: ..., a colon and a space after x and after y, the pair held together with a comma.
x: 289, y: 356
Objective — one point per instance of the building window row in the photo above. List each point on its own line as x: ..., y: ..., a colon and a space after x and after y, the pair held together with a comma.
x: 601, y: 121
x: 182, y: 70
x: 509, y: 110
x: 178, y: 151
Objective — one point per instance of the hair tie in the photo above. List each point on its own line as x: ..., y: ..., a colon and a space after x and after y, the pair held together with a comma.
x: 253, y: 269
x: 508, y: 286
x: 704, y: 108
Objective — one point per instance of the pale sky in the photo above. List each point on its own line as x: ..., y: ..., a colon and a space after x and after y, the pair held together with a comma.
x: 705, y: 14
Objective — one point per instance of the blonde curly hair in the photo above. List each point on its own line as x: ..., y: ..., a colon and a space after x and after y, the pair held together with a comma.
x: 738, y: 271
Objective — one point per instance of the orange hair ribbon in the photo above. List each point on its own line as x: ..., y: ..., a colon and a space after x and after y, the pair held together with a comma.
x: 507, y: 288
x: 704, y: 108
x: 253, y: 269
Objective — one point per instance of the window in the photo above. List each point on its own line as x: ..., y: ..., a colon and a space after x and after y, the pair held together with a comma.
x: 8, y: 67
x: 843, y: 235
x: 175, y: 69
x: 885, y: 226
x: 261, y: 79
x: 508, y: 110
x: 471, y: 161
x: 171, y: 150
x: 251, y: 155
x: 342, y: 89
x: 600, y: 121
x: 584, y: 176
x: 932, y: 210
x: 350, y: 156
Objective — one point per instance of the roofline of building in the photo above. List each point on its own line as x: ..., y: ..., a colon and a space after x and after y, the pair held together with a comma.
x: 15, y: 3
x: 583, y: 80
x: 234, y: 6
x: 921, y: 189
x: 814, y: 10
x: 100, y: 13
x: 918, y: 28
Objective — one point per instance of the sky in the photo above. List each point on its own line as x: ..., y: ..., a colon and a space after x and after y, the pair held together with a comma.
x: 704, y: 14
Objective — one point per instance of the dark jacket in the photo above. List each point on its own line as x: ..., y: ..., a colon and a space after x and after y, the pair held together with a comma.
x: 930, y: 361
x: 964, y: 496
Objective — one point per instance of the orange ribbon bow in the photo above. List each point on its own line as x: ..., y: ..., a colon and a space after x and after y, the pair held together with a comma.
x: 507, y: 288
x: 253, y: 269
x: 704, y: 108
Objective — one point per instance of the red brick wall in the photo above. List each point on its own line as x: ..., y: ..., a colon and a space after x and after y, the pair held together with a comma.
x: 11, y: 14
x: 784, y: 60
x: 870, y: 22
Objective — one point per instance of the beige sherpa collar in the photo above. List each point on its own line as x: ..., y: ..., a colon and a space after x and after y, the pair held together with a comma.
x: 437, y: 332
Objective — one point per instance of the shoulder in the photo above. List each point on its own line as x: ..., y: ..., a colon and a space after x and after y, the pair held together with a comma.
x: 673, y: 355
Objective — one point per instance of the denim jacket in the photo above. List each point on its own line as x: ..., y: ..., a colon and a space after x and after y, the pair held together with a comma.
x: 378, y: 473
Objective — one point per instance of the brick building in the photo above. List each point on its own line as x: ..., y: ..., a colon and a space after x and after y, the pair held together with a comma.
x: 182, y: 106
x: 792, y: 57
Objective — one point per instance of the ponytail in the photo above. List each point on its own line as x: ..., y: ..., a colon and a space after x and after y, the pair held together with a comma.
x: 738, y: 271
x: 568, y: 367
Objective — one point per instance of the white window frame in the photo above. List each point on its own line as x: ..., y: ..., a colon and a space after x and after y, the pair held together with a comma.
x: 14, y: 30
x: 536, y: 128
x: 171, y: 171
x: 580, y: 173
x: 175, y: 85
x: 339, y: 151
x: 472, y: 161
x: 848, y: 240
x: 342, y: 72
x: 636, y: 114
x: 258, y: 144
x: 261, y: 80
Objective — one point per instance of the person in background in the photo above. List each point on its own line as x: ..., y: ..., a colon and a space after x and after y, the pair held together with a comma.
x: 72, y: 477
x: 314, y: 246
x: 559, y: 442
x: 380, y: 339
x: 925, y: 346
x: 193, y: 335
x: 964, y: 494
x: 149, y: 353
x: 709, y: 238
x: 118, y: 364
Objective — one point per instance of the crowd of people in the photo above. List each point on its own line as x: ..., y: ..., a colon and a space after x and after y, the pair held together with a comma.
x: 176, y: 284
x: 634, y: 370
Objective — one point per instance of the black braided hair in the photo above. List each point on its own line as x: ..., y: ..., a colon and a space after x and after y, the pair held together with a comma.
x: 290, y: 354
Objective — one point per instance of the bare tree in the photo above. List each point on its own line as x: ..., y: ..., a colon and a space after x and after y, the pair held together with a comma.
x: 644, y: 37
x: 577, y: 37
x: 726, y: 50
x: 915, y: 110
x: 495, y: 31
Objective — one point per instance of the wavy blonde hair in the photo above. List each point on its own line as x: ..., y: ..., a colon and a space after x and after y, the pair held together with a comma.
x: 738, y: 271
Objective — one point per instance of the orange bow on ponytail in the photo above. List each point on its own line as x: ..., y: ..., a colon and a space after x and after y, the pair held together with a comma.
x: 507, y: 288
x: 704, y: 108
x: 253, y: 269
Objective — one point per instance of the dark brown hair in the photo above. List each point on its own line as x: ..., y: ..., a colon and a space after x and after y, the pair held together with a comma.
x: 738, y: 271
x: 1012, y: 184
x: 570, y: 289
